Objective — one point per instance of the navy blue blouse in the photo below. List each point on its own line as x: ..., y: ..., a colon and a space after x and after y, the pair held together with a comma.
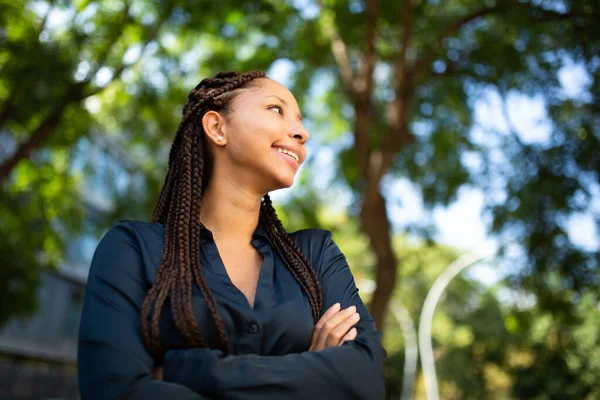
x: 268, y: 345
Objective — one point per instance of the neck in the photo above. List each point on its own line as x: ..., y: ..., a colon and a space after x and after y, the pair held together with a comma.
x: 229, y: 211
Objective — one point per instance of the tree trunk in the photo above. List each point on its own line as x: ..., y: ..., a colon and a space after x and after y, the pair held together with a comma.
x: 376, y: 225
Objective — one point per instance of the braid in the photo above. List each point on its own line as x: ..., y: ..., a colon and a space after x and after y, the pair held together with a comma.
x: 293, y: 257
x: 178, y: 208
x: 197, y: 184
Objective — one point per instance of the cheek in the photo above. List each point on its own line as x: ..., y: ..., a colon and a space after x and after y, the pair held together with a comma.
x: 251, y: 139
x: 257, y: 135
x: 250, y: 148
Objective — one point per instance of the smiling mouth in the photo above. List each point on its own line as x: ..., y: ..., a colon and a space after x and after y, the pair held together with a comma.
x: 288, y: 153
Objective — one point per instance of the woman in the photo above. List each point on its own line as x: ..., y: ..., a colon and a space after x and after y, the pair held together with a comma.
x: 215, y: 293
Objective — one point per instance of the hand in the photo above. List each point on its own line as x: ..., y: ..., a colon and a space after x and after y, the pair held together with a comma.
x: 334, y: 328
x: 158, y: 373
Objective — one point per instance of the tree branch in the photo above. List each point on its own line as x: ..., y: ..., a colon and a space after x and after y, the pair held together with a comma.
x: 546, y: 15
x: 39, y: 136
x: 405, y: 36
x: 363, y: 90
x: 509, y: 124
x: 49, y: 124
x: 123, y: 66
x: 370, y: 56
x: 340, y: 53
x: 398, y: 116
x: 402, y: 72
x: 422, y: 65
x: 7, y: 108
x: 116, y: 34
x: 44, y: 20
x: 454, y: 27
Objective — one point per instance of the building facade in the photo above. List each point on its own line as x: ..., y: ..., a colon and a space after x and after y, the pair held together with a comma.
x: 38, y: 354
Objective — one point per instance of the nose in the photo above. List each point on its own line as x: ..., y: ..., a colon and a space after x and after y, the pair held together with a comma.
x: 299, y: 133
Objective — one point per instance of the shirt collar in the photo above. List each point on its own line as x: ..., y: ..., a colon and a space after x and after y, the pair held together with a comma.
x: 259, y: 233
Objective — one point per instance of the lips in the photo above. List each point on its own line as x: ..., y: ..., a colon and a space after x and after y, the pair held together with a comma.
x: 288, y: 152
x: 287, y: 156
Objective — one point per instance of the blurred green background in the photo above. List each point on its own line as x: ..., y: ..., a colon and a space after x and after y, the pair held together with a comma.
x: 438, y: 128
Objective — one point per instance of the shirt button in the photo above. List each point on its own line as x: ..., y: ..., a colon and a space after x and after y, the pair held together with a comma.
x: 253, y: 327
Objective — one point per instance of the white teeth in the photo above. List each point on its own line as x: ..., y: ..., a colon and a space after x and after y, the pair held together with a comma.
x: 289, y: 153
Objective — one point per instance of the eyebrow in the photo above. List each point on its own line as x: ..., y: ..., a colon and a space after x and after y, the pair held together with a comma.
x: 284, y: 103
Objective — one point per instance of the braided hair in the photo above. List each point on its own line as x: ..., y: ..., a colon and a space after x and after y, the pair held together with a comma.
x: 178, y: 208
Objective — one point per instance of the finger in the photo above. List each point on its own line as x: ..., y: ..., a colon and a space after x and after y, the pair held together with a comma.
x: 327, y: 322
x: 324, y: 318
x: 334, y: 309
x: 158, y: 373
x: 351, y: 335
x: 332, y: 323
x: 336, y: 335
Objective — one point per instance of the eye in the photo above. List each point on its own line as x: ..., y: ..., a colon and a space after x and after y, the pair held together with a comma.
x: 276, y: 107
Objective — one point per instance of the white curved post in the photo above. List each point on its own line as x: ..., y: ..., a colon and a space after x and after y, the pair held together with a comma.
x: 425, y: 321
x: 411, y: 349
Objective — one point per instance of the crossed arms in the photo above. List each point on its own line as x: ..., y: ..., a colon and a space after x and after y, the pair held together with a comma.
x: 114, y: 363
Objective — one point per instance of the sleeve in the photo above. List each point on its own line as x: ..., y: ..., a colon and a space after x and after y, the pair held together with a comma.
x: 113, y: 362
x: 351, y: 371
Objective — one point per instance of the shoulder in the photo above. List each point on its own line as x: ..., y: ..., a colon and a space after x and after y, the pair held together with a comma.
x: 148, y: 238
x: 127, y: 244
x: 312, y: 241
x: 137, y: 234
x: 311, y: 237
x: 142, y: 235
x: 318, y: 246
x: 140, y: 229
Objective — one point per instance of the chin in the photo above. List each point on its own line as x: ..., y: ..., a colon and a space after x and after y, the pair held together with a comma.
x: 277, y: 178
x: 283, y: 182
x: 284, y: 185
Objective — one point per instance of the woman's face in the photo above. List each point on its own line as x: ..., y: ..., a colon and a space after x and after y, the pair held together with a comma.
x: 263, y: 139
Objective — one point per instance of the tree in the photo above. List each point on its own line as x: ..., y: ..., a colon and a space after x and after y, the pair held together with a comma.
x: 400, y: 77
x: 406, y: 75
x: 553, y: 357
x: 77, y: 76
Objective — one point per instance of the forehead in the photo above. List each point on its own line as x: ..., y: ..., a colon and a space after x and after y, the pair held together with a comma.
x: 266, y: 88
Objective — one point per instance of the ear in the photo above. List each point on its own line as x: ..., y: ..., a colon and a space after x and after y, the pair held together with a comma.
x: 213, y: 124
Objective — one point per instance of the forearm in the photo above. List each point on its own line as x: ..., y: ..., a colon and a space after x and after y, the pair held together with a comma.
x: 103, y: 375
x: 158, y: 390
x: 351, y: 371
